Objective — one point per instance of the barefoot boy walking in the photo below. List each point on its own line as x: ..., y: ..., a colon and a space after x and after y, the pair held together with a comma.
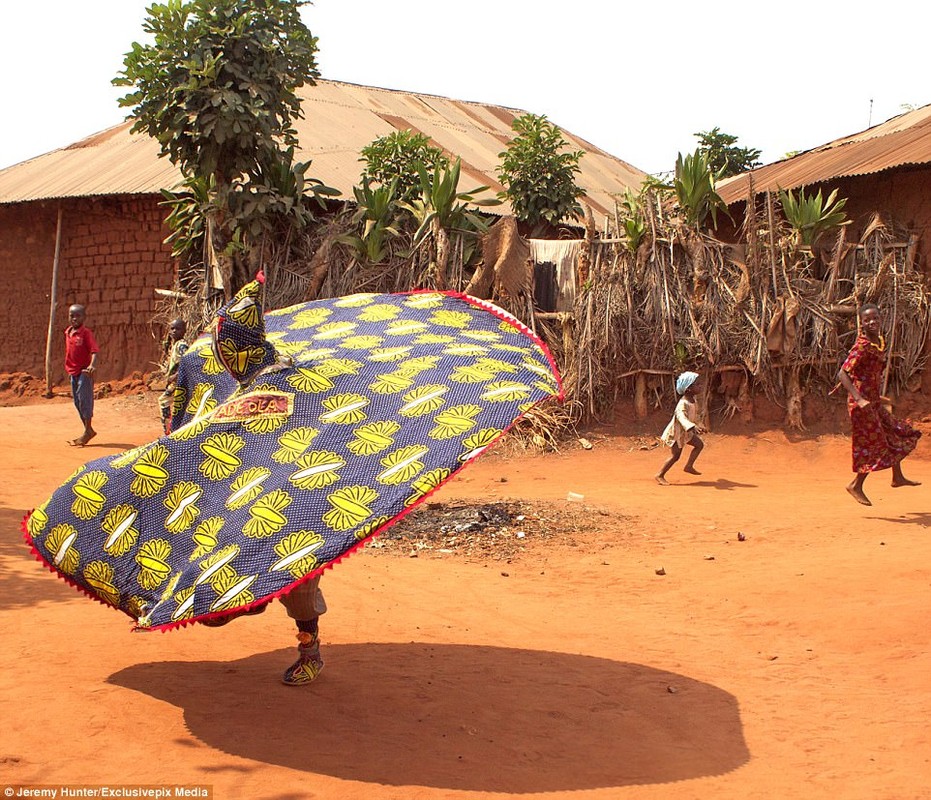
x: 80, y: 363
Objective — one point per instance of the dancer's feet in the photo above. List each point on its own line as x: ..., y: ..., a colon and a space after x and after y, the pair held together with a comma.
x: 308, y: 664
x: 661, y: 480
x: 903, y: 481
x: 691, y: 470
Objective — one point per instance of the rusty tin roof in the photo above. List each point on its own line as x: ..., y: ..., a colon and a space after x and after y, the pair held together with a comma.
x: 339, y: 120
x: 900, y: 141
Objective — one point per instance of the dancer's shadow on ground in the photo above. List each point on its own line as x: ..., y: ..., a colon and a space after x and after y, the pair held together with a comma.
x: 466, y: 718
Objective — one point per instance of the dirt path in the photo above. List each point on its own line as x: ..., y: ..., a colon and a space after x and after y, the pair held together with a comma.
x: 795, y: 662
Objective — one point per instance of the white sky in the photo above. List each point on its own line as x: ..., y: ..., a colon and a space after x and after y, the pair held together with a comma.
x: 636, y: 79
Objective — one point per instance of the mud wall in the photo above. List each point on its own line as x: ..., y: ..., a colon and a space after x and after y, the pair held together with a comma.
x: 111, y: 260
x: 900, y: 196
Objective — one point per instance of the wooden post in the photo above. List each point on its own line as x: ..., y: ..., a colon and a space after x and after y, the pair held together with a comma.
x: 53, y: 305
x: 640, y: 395
x: 794, y: 400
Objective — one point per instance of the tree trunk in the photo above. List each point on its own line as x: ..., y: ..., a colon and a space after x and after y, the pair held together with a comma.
x: 794, y: 401
x: 640, y: 395
x: 441, y: 237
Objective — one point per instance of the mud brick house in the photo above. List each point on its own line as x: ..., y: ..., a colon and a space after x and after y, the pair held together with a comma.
x: 885, y: 169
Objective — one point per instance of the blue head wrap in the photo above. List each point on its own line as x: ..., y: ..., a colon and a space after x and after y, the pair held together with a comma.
x: 685, y: 380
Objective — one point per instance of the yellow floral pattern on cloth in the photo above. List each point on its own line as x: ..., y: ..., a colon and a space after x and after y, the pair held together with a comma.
x: 297, y: 435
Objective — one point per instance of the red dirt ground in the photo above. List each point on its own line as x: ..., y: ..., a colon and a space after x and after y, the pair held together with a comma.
x: 794, y: 661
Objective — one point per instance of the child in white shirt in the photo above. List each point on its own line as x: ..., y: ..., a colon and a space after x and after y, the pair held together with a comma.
x: 681, y: 429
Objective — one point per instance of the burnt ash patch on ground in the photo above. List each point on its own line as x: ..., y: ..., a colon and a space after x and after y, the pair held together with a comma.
x: 499, y: 530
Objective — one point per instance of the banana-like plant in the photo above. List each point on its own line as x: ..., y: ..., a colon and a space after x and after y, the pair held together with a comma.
x: 376, y: 214
x: 282, y: 194
x: 810, y: 216
x: 694, y: 184
x: 189, y: 205
x: 442, y: 210
x: 442, y: 203
x: 633, y: 225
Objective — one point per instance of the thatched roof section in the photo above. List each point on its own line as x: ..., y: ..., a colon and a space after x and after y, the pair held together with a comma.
x: 901, y: 141
x: 339, y: 120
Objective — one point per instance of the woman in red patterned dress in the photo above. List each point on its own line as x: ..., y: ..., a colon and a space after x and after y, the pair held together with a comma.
x: 879, y: 440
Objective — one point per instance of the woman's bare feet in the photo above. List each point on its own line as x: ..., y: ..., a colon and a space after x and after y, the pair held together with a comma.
x: 903, y: 481
x: 691, y: 470
x: 857, y: 494
x: 661, y: 480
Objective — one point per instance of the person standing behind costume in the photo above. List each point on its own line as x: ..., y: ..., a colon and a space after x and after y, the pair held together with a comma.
x: 878, y: 440
x: 681, y: 429
x: 81, y: 352
x: 177, y: 347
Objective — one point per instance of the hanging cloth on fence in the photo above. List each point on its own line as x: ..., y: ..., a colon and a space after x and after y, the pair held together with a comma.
x: 564, y: 254
x: 545, y: 292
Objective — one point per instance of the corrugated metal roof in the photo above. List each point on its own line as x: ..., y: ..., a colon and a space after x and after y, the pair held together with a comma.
x: 339, y: 120
x: 900, y: 141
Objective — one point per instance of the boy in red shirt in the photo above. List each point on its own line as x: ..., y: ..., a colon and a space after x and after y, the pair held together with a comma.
x: 80, y: 362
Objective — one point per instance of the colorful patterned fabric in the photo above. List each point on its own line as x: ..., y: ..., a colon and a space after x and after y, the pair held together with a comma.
x: 878, y: 439
x: 347, y: 415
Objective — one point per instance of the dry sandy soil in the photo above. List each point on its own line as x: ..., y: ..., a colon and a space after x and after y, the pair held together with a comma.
x: 793, y: 660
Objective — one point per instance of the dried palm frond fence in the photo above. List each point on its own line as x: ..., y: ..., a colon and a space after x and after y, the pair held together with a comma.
x: 761, y: 316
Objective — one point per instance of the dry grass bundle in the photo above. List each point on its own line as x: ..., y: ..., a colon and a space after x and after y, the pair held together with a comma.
x: 543, y: 428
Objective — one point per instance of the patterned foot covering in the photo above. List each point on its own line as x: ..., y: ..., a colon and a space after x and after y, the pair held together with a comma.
x: 309, y: 663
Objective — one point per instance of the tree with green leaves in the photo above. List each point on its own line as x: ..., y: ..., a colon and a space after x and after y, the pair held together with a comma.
x: 723, y: 156
x: 538, y: 174
x: 398, y: 158
x: 217, y: 88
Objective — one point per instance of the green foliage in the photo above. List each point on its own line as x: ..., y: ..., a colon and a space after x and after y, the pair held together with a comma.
x: 376, y: 211
x: 398, y: 157
x: 217, y: 89
x: 282, y: 194
x: 442, y: 205
x: 694, y: 185
x: 633, y: 224
x: 281, y: 197
x: 188, y: 207
x: 811, y: 216
x: 724, y: 158
x: 539, y: 175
